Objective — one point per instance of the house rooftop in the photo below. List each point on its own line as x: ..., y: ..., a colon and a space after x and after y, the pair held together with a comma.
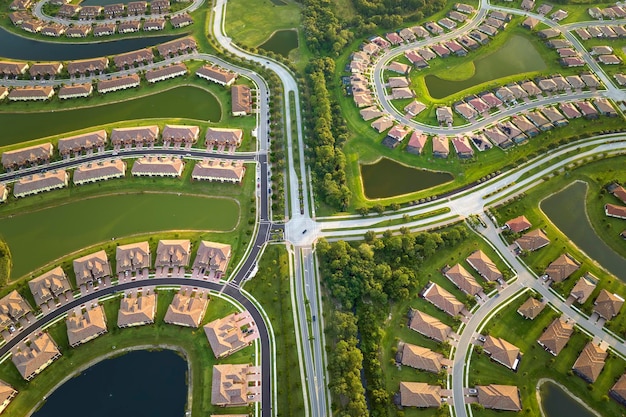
x: 556, y: 336
x: 531, y: 308
x: 590, y: 362
x: 419, y: 394
x: 499, y: 397
x: 502, y: 351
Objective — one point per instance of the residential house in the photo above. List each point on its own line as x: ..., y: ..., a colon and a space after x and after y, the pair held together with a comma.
x: 399, y: 68
x: 442, y: 299
x: 531, y: 88
x: 554, y: 116
x: 187, y: 308
x: 583, y: 288
x: 51, y: 29
x: 382, y: 124
x: 539, y: 120
x: 89, y: 12
x: 428, y: 326
x: 113, y: 10
x: 39, y: 183
x: 444, y: 116
x: 421, y: 358
x: 465, y: 110
x: 441, y: 146
x: 78, y: 31
x: 177, y: 46
x: 7, y: 393
x: 241, y: 100
x: 394, y: 38
x: 416, y: 143
x: 530, y: 23
x: 75, y: 91
x: 45, y: 69
x: 137, y: 308
x: 590, y: 80
x: 609, y: 59
x: 479, y: 104
x: 433, y: 28
x: 219, y: 170
x: 562, y: 267
x: 532, y: 241
x: 139, y: 136
x: 153, y: 24
x: 31, y: 93
x: 401, y: 93
x: 166, y: 73
x: 462, y: 279
x: 136, y: 8
x: 447, y: 23
x: 524, y: 125
x: 13, y: 307
x: 86, y: 142
x: 118, y: 83
x: 618, y: 191
x: 211, y: 259
x: 370, y: 113
x: 129, y: 59
x: 499, y: 397
x: 590, y: 362
x: 549, y: 33
x: 462, y: 147
x: 556, y: 336
x: 216, y: 75
x: 398, y: 82
x: 172, y: 255
x: 607, y: 305
x: 587, y: 110
x: 420, y: 394
x: 440, y: 50
x: 83, y: 326
x: 512, y: 132
x: 132, y: 259
x: 414, y: 108
x: 497, y: 137
x: 464, y: 8
x: 480, y: 141
x: 92, y: 268
x: 181, y: 20
x: 87, y: 66
x: 235, y: 385
x: 216, y: 136
x: 231, y: 333
x: 30, y: 155
x: 604, y: 107
x: 159, y: 6
x: 485, y: 267
x: 487, y: 30
x: 99, y: 171
x: 531, y: 308
x: 569, y: 110
x: 180, y: 134
x: 395, y: 135
x: 618, y: 391
x: 479, y: 36
x: 51, y: 288
x: 31, y: 356
x: 572, y: 62
x: 502, y: 352
x: 490, y: 99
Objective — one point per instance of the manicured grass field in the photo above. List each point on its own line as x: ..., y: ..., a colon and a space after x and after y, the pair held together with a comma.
x: 193, y: 341
x: 596, y: 174
x: 250, y: 23
x: 537, y: 363
x: 270, y: 287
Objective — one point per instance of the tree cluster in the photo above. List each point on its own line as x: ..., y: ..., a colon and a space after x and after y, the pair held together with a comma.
x: 323, y: 30
x: 365, y: 277
x: 327, y: 132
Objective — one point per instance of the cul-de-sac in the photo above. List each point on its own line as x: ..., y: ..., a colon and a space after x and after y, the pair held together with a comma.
x: 312, y: 208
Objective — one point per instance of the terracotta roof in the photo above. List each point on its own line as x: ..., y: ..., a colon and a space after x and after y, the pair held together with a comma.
x: 429, y: 326
x: 419, y: 394
x: 499, y: 397
x: 30, y: 154
x: 85, y: 326
x: 7, y: 392
x: 590, y: 362
x: 532, y: 240
x: 241, y: 100
x: 484, y: 266
x: 67, y: 91
x: 137, y: 309
x: 502, y: 351
x: 36, y: 183
x: 34, y: 355
x: 181, y: 133
x: 614, y: 210
x: 171, y: 167
x: 223, y: 136
x: 12, y: 307
x: 583, y: 288
x: 230, y: 334
x: 135, y: 134
x: 421, y: 358
x: 102, y: 170
x: 49, y: 285
x: 213, y: 256
x: 177, y: 45
x: 87, y: 65
x: 531, y: 308
x: 169, y: 71
x: 77, y: 143
x: 556, y: 336
x: 231, y: 385
x: 620, y: 387
x: 187, y: 308
x: 608, y: 305
x: 92, y: 266
x: 562, y: 267
x: 132, y: 257
x: 442, y: 299
x: 463, y: 280
x: 172, y: 253
x: 216, y: 74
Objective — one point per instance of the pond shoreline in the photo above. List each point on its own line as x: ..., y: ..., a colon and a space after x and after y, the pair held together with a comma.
x: 565, y: 390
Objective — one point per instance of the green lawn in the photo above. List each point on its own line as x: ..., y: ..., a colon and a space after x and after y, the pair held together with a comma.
x: 596, y: 174
x: 270, y: 287
x: 537, y: 363
x: 250, y: 23
x: 193, y: 341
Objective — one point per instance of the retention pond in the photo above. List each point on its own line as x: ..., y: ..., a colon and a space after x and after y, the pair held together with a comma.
x: 557, y: 403
x: 281, y: 42
x: 387, y: 178
x: 567, y: 210
x: 140, y: 383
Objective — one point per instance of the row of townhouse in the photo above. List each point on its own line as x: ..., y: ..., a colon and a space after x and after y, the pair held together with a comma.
x: 81, y: 30
x: 97, y: 141
x: 205, y: 170
x: 133, y: 8
x: 601, y: 32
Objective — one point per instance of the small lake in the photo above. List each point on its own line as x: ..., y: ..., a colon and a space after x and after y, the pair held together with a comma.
x: 180, y: 102
x: 517, y: 56
x: 557, y: 403
x: 13, y: 46
x: 573, y: 222
x: 387, y: 178
x: 139, y: 383
x: 281, y: 42
x: 66, y: 228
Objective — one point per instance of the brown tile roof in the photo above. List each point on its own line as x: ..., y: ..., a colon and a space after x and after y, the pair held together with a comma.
x: 499, y: 397
x: 93, y: 266
x: 140, y: 134
x: 241, y: 101
x: 7, y: 393
x: 13, y: 68
x: 216, y: 74
x: 187, y: 308
x: 212, y: 256
x: 556, y: 336
x: 590, y: 362
x: 36, y: 183
x: 230, y: 334
x: 171, y: 167
x: 223, y: 136
x: 171, y: 253
x: 502, y: 351
x: 125, y: 81
x: 49, y: 285
x: 68, y: 91
x: 614, y: 210
x: 169, y: 71
x: 619, y: 192
x: 421, y: 358
x: 583, y: 288
x: 177, y: 45
x: 429, y: 326
x: 133, y: 57
x: 484, y: 266
x: 533, y: 240
x: 12, y: 307
x: 132, y: 257
x: 562, y: 267
x: 619, y: 388
x: 442, y: 299
x: 608, y: 305
x: 87, y: 65
x: 45, y: 68
x: 531, y: 308
x: 31, y: 92
x: 103, y: 170
x: 419, y: 394
x: 180, y: 133
x: 137, y: 309
x: 231, y: 385
x: 85, y: 326
x: 34, y: 355
x: 91, y: 140
x: 463, y: 280
x: 30, y: 154
x: 219, y: 170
